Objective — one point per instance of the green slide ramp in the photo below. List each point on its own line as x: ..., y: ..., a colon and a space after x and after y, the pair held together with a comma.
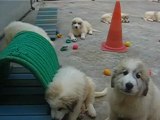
x: 35, y: 53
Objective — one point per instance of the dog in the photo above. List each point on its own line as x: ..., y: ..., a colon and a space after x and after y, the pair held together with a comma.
x: 17, y: 26
x: 152, y: 16
x: 80, y: 28
x: 155, y: 0
x: 70, y: 93
x: 133, y: 95
x: 106, y: 18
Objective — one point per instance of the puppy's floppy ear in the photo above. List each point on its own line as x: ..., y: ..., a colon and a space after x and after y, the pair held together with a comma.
x: 145, y: 78
x: 52, y: 91
x: 70, y: 102
x: 113, y: 78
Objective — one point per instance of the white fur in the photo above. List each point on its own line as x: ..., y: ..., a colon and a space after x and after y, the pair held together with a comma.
x: 152, y: 16
x: 139, y: 103
x: 80, y: 28
x: 107, y: 17
x: 17, y: 26
x: 73, y: 91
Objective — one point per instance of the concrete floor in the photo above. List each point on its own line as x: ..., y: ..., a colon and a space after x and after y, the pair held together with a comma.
x: 89, y: 58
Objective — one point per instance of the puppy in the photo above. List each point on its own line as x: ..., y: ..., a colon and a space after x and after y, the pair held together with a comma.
x: 155, y: 0
x: 152, y: 16
x: 133, y: 95
x: 106, y: 18
x: 70, y: 93
x: 80, y: 28
x: 17, y: 26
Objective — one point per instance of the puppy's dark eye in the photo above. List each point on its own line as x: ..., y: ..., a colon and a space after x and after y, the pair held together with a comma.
x: 125, y: 72
x: 73, y: 22
x: 59, y: 109
x: 138, y: 75
x: 79, y: 23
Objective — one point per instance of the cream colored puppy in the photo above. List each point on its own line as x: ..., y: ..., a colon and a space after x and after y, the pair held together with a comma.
x: 17, y: 26
x: 80, y: 28
x: 71, y: 91
x: 152, y: 16
x: 106, y: 18
x: 133, y: 95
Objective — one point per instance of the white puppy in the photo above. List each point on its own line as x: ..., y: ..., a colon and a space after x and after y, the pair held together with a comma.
x: 106, y: 18
x: 17, y: 26
x: 80, y: 28
x: 133, y: 95
x: 152, y: 16
x: 69, y: 92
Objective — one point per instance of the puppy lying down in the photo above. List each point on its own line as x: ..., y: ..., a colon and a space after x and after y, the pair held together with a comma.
x: 71, y: 91
x: 17, y: 26
x: 80, y: 28
x: 152, y: 16
x: 106, y: 18
x: 133, y: 95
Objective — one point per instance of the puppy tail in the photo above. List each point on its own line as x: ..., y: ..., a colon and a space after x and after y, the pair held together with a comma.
x: 101, y: 94
x: 94, y: 30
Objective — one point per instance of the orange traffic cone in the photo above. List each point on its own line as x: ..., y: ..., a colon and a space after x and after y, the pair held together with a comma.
x: 114, y: 39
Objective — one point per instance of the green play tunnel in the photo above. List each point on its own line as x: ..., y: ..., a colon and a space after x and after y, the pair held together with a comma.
x: 35, y: 53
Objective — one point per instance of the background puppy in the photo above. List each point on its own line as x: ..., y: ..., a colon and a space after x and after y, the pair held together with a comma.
x: 80, y: 28
x: 133, y: 95
x: 152, y: 16
x: 17, y: 26
x: 106, y: 18
x: 70, y: 92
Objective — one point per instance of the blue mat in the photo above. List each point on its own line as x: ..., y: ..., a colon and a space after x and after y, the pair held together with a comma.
x: 22, y: 97
x: 47, y: 19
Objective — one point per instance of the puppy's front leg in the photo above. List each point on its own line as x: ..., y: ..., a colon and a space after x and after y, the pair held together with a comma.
x: 77, y: 110
x: 83, y: 35
x: 73, y: 38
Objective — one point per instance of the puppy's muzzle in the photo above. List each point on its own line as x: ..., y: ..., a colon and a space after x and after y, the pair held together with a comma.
x: 129, y: 86
x: 76, y: 27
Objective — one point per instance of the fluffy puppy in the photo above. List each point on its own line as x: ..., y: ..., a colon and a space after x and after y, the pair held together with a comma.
x: 155, y: 0
x: 133, y: 95
x: 70, y: 92
x: 106, y: 18
x: 152, y: 16
x: 17, y: 26
x: 80, y: 28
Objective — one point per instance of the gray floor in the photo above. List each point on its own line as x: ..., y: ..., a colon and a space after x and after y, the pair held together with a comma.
x: 89, y: 58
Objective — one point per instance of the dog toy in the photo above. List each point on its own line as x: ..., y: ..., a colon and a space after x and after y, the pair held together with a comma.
x: 64, y: 48
x: 107, y: 72
x: 75, y: 46
x: 74, y: 40
x: 68, y: 41
x: 127, y: 43
x: 59, y: 35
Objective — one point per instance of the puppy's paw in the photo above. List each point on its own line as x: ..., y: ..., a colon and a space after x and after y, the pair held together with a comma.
x: 90, y: 32
x: 91, y: 111
x: 107, y: 118
x: 82, y: 37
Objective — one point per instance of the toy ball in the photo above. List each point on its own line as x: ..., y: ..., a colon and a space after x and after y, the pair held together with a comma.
x: 75, y: 46
x: 107, y: 72
x: 127, y: 43
x: 59, y: 35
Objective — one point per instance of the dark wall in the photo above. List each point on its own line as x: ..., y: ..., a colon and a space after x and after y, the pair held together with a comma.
x: 11, y: 10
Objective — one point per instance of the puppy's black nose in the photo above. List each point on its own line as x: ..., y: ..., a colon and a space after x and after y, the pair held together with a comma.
x: 76, y: 27
x: 129, y: 86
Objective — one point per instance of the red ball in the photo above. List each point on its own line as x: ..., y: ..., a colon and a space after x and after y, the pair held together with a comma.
x: 75, y: 46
